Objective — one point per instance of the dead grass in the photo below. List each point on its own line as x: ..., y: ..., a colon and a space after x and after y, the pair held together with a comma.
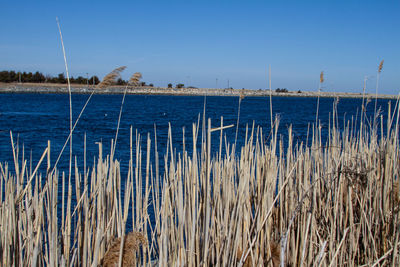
x: 325, y: 204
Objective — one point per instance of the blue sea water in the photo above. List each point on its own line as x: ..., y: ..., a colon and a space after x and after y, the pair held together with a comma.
x: 35, y: 118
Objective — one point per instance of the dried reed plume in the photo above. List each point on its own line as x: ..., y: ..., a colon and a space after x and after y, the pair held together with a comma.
x: 321, y: 80
x: 111, y: 78
x: 132, y: 242
x: 376, y: 92
x: 135, y: 78
x: 380, y: 66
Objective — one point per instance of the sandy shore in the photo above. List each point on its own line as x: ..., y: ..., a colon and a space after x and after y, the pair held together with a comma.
x: 83, y: 89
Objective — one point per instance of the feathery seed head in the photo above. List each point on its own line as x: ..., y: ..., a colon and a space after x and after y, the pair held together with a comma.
x: 380, y: 66
x: 111, y: 78
x: 135, y: 78
x: 321, y: 77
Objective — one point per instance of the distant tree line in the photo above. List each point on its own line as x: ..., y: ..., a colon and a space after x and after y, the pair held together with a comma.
x: 121, y: 81
x: 281, y: 90
x: 284, y: 90
x: 38, y: 77
x: 179, y: 86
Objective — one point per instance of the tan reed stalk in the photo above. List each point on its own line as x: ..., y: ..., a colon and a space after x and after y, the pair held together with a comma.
x: 117, y: 70
x: 321, y: 80
x: 119, y: 121
x: 238, y: 116
x: 134, y: 80
x: 270, y: 97
x: 70, y: 127
x: 363, y: 109
x: 376, y: 89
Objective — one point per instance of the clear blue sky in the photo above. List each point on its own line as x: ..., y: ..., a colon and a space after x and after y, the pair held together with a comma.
x: 197, y: 42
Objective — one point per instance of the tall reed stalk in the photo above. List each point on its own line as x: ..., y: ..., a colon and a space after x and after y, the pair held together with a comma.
x: 241, y: 97
x: 270, y: 97
x: 321, y: 80
x: 68, y: 222
x: 329, y: 204
x: 378, y: 73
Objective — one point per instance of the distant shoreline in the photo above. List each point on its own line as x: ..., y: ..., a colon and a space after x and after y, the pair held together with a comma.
x: 46, y: 88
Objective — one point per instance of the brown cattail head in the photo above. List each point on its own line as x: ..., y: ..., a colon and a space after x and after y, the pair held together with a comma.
x: 396, y: 196
x: 275, y: 253
x: 135, y: 78
x: 321, y: 77
x: 239, y: 254
x: 133, y: 240
x: 380, y: 66
x: 111, y: 78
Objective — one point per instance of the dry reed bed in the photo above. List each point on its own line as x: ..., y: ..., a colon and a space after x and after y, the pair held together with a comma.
x: 330, y: 204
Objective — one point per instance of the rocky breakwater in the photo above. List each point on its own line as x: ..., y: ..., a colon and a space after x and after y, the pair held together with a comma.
x: 46, y: 88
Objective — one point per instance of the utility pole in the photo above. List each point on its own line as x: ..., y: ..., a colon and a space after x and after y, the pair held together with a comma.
x: 87, y: 79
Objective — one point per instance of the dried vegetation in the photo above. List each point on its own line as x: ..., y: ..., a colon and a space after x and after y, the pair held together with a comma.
x: 327, y: 204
